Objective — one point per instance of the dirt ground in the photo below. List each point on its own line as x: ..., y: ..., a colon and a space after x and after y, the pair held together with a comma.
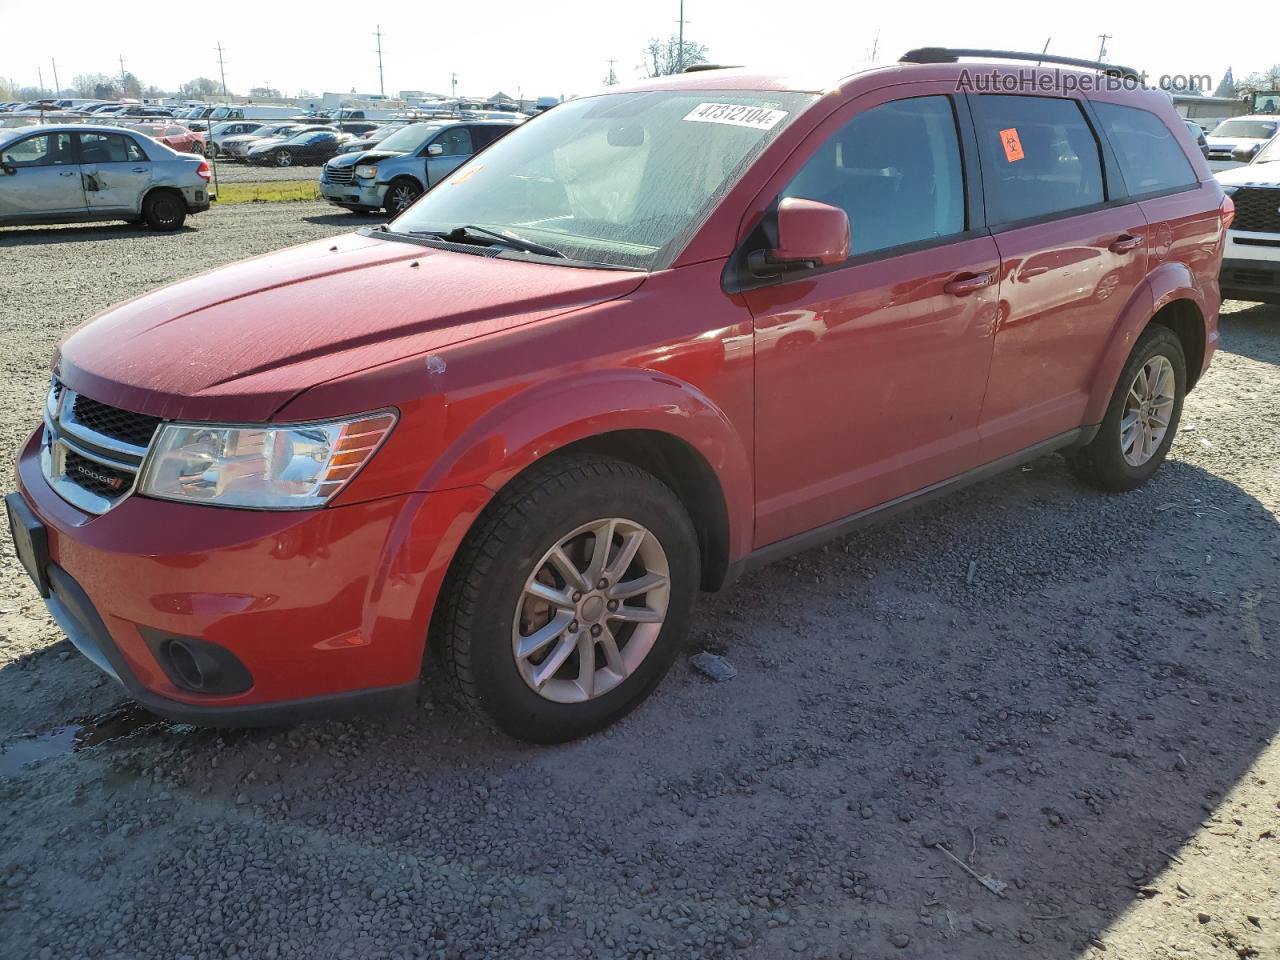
x: 1074, y: 694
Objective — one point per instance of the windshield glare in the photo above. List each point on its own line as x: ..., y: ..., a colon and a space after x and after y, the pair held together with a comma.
x: 1255, y: 129
x: 410, y: 138
x: 1270, y: 153
x: 622, y: 179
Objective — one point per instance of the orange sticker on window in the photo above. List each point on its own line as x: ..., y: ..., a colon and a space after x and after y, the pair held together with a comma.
x: 467, y: 174
x: 1012, y: 144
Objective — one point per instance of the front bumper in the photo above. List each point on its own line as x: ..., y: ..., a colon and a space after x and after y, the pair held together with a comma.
x: 326, y: 610
x: 353, y: 194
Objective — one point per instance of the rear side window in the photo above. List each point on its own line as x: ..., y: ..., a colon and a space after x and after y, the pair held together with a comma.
x: 1039, y: 157
x: 895, y: 170
x: 109, y: 148
x: 1149, y: 156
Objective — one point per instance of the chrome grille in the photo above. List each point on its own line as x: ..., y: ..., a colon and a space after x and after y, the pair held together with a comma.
x: 1257, y: 210
x: 339, y: 174
x: 91, y: 452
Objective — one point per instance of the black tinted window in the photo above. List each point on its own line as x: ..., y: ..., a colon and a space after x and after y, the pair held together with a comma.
x: 1039, y: 157
x: 1149, y: 157
x: 895, y: 169
x: 456, y: 142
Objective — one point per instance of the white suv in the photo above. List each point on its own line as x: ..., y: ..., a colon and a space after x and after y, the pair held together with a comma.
x: 1251, y: 262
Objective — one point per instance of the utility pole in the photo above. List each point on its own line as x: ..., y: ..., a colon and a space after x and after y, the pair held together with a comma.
x: 613, y: 77
x: 381, y: 88
x: 57, y: 86
x: 1102, y: 49
x: 453, y: 83
x: 40, y: 78
x: 222, y: 69
x: 122, y: 75
x: 875, y: 47
x: 1045, y: 50
x: 680, y: 49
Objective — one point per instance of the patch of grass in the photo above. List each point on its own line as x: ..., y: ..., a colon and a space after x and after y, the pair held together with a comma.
x: 278, y: 191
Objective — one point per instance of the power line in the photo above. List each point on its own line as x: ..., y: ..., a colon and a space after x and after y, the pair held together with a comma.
x: 381, y: 88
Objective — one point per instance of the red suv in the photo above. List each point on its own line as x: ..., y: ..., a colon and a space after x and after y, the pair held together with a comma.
x: 648, y: 340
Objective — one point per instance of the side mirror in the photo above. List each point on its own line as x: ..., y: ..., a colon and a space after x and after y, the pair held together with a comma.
x: 435, y: 150
x: 810, y: 234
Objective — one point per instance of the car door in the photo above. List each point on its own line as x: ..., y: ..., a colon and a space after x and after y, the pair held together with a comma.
x: 115, y: 170
x: 870, y: 375
x: 446, y: 152
x: 39, y: 176
x: 321, y: 147
x: 1073, y: 252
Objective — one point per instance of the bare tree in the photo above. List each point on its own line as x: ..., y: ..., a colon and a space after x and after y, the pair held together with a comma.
x: 264, y: 93
x: 200, y: 88
x: 662, y: 58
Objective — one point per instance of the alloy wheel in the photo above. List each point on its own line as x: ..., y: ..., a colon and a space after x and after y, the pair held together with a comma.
x: 591, y: 610
x: 1148, y: 408
x: 402, y: 198
x: 284, y: 159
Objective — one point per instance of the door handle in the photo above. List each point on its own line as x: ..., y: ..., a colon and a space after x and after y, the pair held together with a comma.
x: 139, y: 169
x: 968, y: 283
x: 66, y: 173
x: 1125, y: 244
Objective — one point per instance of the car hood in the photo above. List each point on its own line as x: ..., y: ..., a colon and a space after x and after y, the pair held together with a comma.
x: 1253, y: 175
x: 237, y: 343
x: 367, y: 156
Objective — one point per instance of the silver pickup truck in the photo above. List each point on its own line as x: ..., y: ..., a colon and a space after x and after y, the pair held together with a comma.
x: 406, y: 164
x: 72, y: 173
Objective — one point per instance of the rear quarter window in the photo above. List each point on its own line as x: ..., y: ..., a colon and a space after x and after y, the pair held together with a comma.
x: 1150, y: 158
x: 1039, y: 155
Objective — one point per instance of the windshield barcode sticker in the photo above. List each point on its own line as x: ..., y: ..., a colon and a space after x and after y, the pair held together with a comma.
x: 734, y: 114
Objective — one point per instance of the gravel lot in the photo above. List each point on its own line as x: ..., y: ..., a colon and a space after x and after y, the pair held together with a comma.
x: 1075, y: 693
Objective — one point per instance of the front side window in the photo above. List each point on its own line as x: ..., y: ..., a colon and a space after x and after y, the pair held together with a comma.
x: 456, y: 142
x: 109, y: 148
x: 1039, y: 157
x: 47, y: 150
x: 1149, y: 157
x: 621, y: 178
x: 895, y: 170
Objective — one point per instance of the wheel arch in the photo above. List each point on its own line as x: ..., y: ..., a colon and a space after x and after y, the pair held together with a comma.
x: 658, y: 424
x: 1171, y: 297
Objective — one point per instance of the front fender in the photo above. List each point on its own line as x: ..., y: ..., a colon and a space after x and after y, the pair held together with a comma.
x: 1169, y: 282
x: 528, y: 425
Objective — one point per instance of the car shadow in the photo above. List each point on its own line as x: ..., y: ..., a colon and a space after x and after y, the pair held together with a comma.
x: 346, y: 218
x: 112, y: 230
x: 993, y: 676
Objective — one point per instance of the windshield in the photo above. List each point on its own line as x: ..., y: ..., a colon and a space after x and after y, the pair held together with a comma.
x: 622, y: 179
x: 1255, y: 129
x: 410, y: 138
x: 1270, y: 153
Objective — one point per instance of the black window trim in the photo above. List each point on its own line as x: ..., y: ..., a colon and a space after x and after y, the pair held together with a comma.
x: 736, y: 278
x: 1114, y: 191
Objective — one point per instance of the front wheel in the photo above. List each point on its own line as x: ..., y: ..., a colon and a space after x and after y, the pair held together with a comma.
x: 401, y: 194
x: 568, y: 601
x: 284, y: 159
x: 1142, y: 418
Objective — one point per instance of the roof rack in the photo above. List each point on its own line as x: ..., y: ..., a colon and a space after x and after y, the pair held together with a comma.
x: 951, y: 55
x: 699, y: 67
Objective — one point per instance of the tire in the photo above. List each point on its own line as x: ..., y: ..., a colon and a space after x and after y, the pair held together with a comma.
x: 284, y: 159
x: 401, y: 193
x: 481, y: 622
x: 164, y: 210
x: 1107, y: 461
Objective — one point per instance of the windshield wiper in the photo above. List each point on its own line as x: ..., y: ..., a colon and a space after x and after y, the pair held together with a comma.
x: 461, y: 234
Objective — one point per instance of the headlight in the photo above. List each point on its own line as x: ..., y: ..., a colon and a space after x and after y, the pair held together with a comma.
x: 290, y: 467
x: 366, y: 170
